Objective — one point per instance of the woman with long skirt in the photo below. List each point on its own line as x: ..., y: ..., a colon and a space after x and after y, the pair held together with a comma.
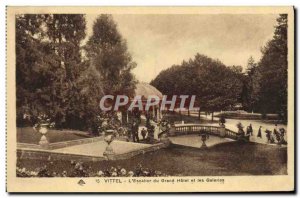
x: 259, y: 132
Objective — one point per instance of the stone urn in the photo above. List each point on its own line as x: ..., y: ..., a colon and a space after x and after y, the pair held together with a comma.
x: 204, y: 136
x: 43, y: 129
x: 109, y: 138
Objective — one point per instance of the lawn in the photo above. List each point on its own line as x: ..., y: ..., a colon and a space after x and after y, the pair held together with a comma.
x: 178, y: 118
x: 247, y: 116
x: 28, y: 135
x: 232, y: 158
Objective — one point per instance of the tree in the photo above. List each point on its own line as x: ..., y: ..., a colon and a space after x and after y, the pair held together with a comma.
x: 29, y: 66
x: 216, y: 86
x: 273, y: 71
x: 108, y: 53
x: 54, y: 78
x: 220, y: 86
x: 251, y: 85
x: 48, y: 66
x: 65, y: 33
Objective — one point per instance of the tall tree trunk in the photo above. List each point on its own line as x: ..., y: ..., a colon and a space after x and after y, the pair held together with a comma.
x: 199, y: 114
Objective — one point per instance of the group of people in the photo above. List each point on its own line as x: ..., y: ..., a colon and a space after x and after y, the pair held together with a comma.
x: 272, y: 137
x: 147, y: 133
x: 277, y: 135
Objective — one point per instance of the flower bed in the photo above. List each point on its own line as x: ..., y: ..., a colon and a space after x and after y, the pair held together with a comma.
x: 79, y: 169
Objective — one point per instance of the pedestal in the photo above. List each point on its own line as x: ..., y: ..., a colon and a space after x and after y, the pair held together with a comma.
x: 164, y: 139
x: 222, y: 131
x: 203, y: 146
x: 204, y: 137
x: 43, y: 141
x: 172, y: 131
x: 109, y: 152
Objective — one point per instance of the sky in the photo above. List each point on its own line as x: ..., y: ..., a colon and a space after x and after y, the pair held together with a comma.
x: 157, y: 42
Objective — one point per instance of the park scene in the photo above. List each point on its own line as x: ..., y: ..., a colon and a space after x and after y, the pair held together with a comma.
x: 151, y: 95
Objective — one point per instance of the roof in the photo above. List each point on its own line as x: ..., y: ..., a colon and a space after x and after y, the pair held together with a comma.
x: 145, y: 90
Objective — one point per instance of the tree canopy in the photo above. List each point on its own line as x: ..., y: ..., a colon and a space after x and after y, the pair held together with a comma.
x: 59, y: 77
x: 216, y: 86
x: 267, y: 79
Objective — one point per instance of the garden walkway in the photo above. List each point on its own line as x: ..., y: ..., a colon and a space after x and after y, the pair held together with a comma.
x: 231, y: 124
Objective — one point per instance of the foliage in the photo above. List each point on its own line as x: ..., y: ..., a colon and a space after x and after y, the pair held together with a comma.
x: 47, y: 73
x: 108, y: 54
x: 251, y: 85
x: 56, y: 77
x: 79, y: 169
x: 216, y: 86
x: 222, y: 119
x: 273, y: 70
x: 265, y: 83
x: 43, y: 120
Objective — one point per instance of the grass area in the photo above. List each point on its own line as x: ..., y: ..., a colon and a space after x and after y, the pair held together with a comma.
x: 28, y: 135
x: 178, y: 118
x: 247, y: 116
x: 233, y: 158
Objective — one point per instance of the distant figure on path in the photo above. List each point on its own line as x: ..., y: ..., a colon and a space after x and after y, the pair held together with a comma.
x: 259, y: 132
x: 135, y: 131
x: 275, y: 129
x: 150, y: 130
x: 144, y: 133
x: 282, y: 132
x: 276, y: 134
x: 268, y: 135
x: 248, y: 130
x: 240, y: 129
x: 251, y: 129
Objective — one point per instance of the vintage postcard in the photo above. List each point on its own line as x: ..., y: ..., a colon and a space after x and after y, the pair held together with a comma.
x: 150, y: 99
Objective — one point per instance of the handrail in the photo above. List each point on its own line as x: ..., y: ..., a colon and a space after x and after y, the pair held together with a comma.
x: 213, y: 130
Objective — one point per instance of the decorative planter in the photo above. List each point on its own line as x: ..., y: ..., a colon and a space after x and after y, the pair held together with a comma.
x: 109, y: 138
x: 204, y: 137
x: 43, y: 130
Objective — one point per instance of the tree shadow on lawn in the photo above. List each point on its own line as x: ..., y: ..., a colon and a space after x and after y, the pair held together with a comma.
x: 30, y: 136
x: 178, y: 118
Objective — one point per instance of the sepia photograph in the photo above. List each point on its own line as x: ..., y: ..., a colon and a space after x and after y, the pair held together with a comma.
x: 165, y: 99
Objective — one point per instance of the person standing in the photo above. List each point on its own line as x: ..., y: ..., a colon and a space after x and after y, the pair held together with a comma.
x: 251, y: 129
x: 135, y: 131
x: 275, y: 131
x: 268, y: 135
x: 282, y: 132
x: 259, y: 132
x: 276, y: 134
x: 248, y: 130
x: 144, y: 133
